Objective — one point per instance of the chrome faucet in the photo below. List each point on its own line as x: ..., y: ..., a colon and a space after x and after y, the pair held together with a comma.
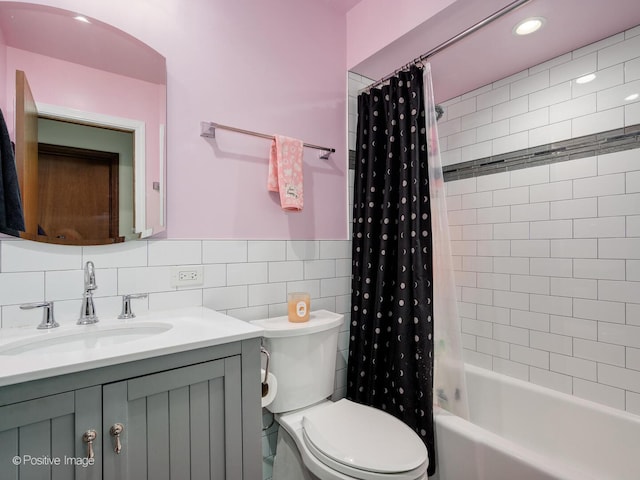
x: 88, y: 311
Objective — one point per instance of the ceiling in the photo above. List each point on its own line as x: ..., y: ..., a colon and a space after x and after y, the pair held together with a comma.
x: 487, y: 55
x: 493, y: 52
x: 342, y: 6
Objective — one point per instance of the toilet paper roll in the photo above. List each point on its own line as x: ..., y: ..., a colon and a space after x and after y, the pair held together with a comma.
x: 269, y: 389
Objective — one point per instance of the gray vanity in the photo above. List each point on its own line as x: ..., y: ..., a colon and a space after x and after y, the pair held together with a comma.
x: 169, y: 395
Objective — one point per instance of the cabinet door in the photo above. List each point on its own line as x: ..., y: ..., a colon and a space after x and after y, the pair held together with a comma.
x: 179, y: 424
x: 41, y: 439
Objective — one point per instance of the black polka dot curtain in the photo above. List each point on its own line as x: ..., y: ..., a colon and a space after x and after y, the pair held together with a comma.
x: 391, y: 337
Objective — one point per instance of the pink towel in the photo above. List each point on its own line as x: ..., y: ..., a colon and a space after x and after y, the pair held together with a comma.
x: 285, y: 172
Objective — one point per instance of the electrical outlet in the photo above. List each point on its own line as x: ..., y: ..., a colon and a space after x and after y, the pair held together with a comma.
x: 187, y: 276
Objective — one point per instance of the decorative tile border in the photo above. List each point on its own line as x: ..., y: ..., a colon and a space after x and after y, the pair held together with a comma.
x: 587, y: 146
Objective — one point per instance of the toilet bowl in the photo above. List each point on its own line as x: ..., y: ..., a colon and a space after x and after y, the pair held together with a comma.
x: 325, y: 440
x: 345, y: 441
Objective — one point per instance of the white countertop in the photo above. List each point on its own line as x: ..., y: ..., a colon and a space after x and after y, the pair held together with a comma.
x: 187, y: 329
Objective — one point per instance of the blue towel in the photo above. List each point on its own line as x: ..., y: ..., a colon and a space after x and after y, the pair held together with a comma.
x: 11, y: 216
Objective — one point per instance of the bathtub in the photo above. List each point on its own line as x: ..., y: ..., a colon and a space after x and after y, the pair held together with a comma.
x: 522, y: 431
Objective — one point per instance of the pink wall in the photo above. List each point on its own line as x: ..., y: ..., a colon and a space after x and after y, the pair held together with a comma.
x: 3, y: 75
x: 373, y: 24
x: 273, y: 67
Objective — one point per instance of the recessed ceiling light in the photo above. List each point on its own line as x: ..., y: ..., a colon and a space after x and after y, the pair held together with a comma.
x: 586, y: 78
x: 82, y: 19
x: 529, y: 25
x: 633, y: 96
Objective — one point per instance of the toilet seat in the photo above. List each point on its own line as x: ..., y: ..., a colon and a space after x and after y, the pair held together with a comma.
x: 363, y: 442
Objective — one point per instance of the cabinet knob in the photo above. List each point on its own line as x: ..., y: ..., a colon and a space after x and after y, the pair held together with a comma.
x: 115, y: 431
x: 88, y: 437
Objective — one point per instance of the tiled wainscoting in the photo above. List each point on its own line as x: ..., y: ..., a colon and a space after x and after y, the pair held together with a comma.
x: 245, y: 279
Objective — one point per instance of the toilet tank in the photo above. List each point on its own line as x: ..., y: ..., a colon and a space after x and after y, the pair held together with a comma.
x: 303, y: 358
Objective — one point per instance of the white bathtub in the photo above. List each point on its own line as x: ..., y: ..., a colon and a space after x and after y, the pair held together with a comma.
x: 520, y: 431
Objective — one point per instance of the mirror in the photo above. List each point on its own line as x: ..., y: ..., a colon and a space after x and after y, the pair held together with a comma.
x: 86, y: 108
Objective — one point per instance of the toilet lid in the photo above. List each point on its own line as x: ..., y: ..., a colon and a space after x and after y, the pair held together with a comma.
x: 364, y: 438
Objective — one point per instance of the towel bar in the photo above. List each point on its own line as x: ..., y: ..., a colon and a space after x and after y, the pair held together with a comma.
x: 208, y: 129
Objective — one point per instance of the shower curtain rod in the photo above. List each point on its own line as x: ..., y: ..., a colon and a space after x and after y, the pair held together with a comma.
x: 208, y: 129
x: 455, y: 39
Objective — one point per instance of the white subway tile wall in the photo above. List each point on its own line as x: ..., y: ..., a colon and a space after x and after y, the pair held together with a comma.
x: 355, y: 84
x: 245, y: 279
x: 556, y: 302
x: 544, y: 104
x: 547, y: 258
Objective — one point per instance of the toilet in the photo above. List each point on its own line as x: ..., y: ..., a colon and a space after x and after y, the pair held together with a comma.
x: 321, y: 439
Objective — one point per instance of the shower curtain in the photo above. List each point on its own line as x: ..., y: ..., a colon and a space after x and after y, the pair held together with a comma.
x: 404, y: 351
x: 391, y: 335
x: 448, y: 383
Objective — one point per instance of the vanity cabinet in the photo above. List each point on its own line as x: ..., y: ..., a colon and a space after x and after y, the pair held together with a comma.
x: 187, y: 415
x: 183, y: 423
x: 42, y: 438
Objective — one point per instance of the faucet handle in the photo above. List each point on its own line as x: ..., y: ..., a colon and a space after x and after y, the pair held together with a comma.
x: 126, y: 305
x: 48, y: 320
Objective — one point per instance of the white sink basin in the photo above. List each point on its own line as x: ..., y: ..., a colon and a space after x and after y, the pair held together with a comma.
x: 28, y: 354
x: 86, y: 337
